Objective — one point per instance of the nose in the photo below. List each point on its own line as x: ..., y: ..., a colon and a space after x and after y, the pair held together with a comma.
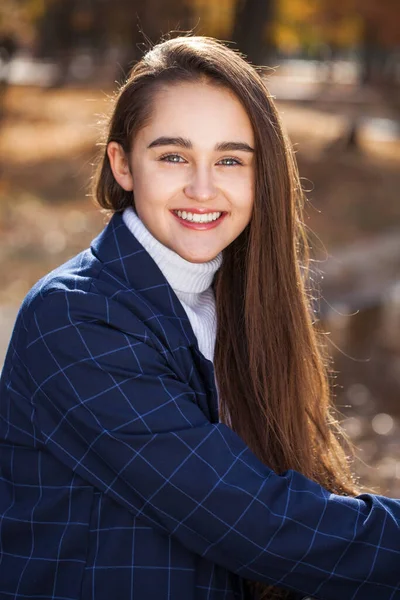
x: 201, y: 186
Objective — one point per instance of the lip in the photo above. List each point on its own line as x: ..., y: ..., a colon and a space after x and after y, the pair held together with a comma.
x: 200, y: 226
x: 199, y: 211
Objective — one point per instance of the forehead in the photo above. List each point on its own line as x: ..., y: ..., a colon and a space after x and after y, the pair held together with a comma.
x: 203, y: 112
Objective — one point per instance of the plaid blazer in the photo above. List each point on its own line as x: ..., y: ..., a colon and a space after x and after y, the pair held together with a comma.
x: 117, y: 482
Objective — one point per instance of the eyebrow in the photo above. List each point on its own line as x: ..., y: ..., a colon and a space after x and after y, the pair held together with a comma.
x: 185, y: 143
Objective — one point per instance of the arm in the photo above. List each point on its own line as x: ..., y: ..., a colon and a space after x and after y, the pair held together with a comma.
x: 110, y: 407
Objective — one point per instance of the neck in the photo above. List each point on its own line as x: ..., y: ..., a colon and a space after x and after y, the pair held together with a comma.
x: 182, y: 275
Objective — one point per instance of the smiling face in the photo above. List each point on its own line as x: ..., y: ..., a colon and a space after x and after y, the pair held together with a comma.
x: 191, y: 169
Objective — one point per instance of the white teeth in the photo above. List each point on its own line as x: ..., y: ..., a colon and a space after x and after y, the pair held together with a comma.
x: 197, y: 217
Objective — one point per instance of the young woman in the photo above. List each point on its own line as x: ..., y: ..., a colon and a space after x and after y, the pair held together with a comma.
x: 138, y: 461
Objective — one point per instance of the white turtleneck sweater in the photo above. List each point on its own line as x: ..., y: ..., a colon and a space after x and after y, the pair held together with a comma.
x: 191, y: 282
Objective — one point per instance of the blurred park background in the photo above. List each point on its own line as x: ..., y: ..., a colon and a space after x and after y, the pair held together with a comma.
x: 335, y: 73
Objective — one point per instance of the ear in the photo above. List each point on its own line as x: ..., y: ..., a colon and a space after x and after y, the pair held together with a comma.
x: 120, y: 166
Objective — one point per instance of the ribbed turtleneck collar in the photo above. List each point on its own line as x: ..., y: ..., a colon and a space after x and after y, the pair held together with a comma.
x: 182, y: 275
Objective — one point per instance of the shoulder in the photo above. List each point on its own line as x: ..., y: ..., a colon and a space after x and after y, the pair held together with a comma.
x: 114, y: 287
x: 72, y: 295
x: 74, y: 278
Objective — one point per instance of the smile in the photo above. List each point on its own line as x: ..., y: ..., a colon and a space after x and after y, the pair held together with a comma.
x: 197, y: 217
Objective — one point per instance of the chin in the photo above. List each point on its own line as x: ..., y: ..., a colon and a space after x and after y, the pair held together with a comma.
x: 198, y: 258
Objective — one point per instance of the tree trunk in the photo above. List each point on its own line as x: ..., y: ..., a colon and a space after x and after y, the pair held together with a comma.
x: 252, y: 29
x: 150, y: 20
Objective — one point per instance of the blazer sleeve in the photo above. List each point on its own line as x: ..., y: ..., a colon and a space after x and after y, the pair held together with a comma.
x: 110, y: 407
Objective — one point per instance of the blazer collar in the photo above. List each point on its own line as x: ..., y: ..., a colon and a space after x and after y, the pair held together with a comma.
x: 120, y: 251
x: 128, y: 262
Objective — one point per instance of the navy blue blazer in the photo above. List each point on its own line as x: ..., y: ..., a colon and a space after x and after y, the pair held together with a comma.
x: 119, y: 483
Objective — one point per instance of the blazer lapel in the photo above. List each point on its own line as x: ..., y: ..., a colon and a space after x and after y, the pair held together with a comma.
x: 136, y: 271
x: 117, y: 248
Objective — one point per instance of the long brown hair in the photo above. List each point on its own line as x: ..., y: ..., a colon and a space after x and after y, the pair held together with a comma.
x: 270, y: 360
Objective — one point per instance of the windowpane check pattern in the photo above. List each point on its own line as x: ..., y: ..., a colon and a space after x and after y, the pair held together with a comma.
x: 117, y: 481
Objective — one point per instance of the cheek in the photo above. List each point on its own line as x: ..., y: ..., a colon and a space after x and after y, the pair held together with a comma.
x: 243, y: 206
x: 244, y: 195
x: 146, y: 189
x: 156, y: 183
